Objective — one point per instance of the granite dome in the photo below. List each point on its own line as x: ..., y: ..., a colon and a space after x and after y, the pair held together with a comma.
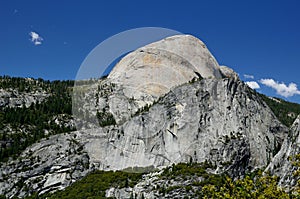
x: 156, y: 68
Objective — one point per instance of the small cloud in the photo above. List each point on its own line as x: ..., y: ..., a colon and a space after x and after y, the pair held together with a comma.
x: 248, y: 76
x: 253, y: 84
x: 15, y: 11
x: 36, y: 39
x: 281, y: 88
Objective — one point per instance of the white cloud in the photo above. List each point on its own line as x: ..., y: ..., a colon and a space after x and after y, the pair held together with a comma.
x: 253, y: 84
x: 36, y: 39
x: 281, y: 88
x: 248, y: 76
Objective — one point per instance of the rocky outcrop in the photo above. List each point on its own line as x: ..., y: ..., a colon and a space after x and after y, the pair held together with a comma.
x: 14, y: 98
x: 52, y: 164
x: 281, y: 164
x: 229, y: 73
x: 144, y: 189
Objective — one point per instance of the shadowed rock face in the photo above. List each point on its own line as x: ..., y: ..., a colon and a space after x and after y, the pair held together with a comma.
x: 280, y: 165
x: 156, y: 68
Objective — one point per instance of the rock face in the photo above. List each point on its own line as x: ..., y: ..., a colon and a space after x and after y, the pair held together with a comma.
x: 217, y: 117
x: 188, y: 113
x: 280, y: 165
x: 14, y: 98
x: 229, y: 73
x: 49, y: 165
x: 218, y: 120
x: 154, y: 69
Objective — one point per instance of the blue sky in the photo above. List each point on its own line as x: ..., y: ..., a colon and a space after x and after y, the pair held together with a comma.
x: 256, y: 38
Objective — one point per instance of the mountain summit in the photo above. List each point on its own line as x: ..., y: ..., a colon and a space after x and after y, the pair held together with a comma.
x: 156, y: 68
x: 165, y: 103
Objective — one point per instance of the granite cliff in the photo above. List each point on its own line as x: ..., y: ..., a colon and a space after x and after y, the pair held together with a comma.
x: 165, y: 103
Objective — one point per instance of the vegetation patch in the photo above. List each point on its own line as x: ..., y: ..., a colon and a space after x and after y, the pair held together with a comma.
x: 95, y: 184
x: 285, y: 111
x: 105, y: 119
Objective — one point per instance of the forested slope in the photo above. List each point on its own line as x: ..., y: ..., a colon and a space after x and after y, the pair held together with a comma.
x: 22, y: 126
